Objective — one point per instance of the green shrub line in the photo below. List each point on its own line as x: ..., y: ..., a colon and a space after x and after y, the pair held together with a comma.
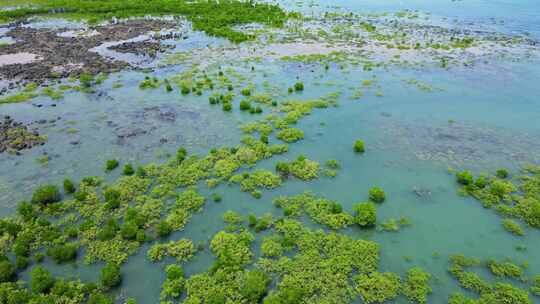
x: 216, y: 18
x: 462, y: 268
x: 515, y: 198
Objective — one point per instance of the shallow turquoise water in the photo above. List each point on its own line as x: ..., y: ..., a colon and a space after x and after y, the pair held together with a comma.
x: 482, y: 118
x: 509, y: 16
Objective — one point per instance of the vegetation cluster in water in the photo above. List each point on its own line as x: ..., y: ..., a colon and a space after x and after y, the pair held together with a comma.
x: 216, y: 18
x: 512, y: 197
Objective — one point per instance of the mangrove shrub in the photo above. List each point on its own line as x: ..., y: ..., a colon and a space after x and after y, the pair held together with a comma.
x: 110, y: 275
x: 377, y: 195
x: 41, y: 280
x: 111, y: 164
x: 7, y: 271
x: 46, y: 194
x: 365, y: 214
x: 63, y: 253
x: 359, y: 146
x: 128, y: 169
x: 69, y: 187
x: 465, y: 178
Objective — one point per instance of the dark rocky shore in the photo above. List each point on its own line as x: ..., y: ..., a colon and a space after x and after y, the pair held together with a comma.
x: 71, y: 56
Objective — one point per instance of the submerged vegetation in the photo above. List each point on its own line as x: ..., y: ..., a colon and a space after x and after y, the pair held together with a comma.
x: 516, y: 198
x: 499, y: 292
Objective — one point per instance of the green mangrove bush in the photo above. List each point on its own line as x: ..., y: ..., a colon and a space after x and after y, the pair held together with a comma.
x: 377, y: 287
x: 7, y: 271
x: 216, y: 18
x: 365, y: 214
x: 41, y: 280
x: 359, y: 146
x: 304, y: 169
x: 128, y: 169
x: 69, y: 187
x: 377, y: 195
x: 416, y: 286
x: 110, y: 275
x: 290, y: 135
x: 63, y: 253
x: 46, y: 194
x: 516, y: 198
x: 111, y: 164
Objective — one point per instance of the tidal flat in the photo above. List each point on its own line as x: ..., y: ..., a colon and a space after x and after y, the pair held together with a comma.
x: 274, y: 152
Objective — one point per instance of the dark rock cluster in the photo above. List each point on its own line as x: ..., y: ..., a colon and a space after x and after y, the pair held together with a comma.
x: 143, y: 48
x: 16, y: 136
x: 71, y: 56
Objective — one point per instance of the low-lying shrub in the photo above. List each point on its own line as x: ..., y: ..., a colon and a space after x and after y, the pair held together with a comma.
x: 111, y: 164
x: 69, y: 187
x: 128, y: 169
x: 377, y: 195
x: 63, y: 253
x: 163, y: 229
x: 365, y: 214
x: 129, y: 230
x: 359, y: 146
x: 290, y: 135
x: 41, y: 280
x: 502, y: 173
x: 416, y: 288
x: 110, y: 276
x: 245, y: 105
x: 7, y: 271
x: 245, y: 91
x: 465, y: 178
x: 226, y: 106
x: 513, y: 227
x: 46, y: 194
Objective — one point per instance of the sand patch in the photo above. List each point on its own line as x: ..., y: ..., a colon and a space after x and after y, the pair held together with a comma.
x: 18, y: 58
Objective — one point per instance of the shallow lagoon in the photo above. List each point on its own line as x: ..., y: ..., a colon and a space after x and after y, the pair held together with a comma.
x: 481, y: 117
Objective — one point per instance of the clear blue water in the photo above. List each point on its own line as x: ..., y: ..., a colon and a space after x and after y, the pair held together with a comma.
x: 509, y: 16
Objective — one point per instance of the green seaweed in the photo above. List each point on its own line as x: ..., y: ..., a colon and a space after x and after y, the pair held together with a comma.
x: 17, y: 98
